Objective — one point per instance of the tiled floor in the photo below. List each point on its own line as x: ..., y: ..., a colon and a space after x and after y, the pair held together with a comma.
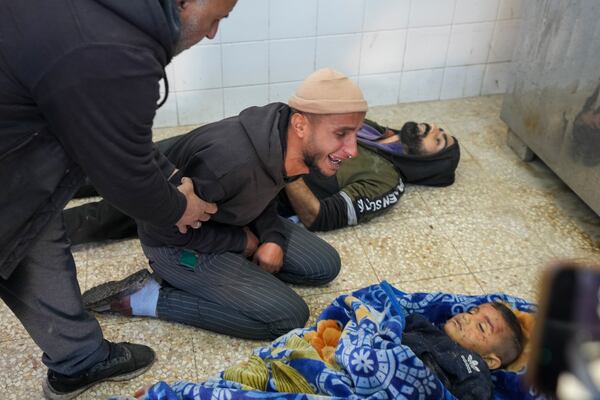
x: 493, y: 230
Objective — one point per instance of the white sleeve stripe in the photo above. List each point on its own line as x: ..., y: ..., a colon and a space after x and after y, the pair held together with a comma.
x: 352, y: 219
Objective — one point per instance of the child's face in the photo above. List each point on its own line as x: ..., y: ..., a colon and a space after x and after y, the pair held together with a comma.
x: 482, y: 329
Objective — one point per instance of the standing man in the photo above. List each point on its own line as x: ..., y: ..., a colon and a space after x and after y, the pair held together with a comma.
x: 79, y: 86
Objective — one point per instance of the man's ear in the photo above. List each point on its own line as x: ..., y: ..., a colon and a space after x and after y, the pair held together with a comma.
x: 492, y: 361
x: 181, y: 4
x: 299, y: 123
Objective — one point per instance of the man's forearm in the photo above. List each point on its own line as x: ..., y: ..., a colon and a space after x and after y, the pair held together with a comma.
x: 303, y: 201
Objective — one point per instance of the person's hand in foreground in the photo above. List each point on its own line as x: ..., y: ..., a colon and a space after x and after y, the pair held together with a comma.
x: 196, y: 211
x: 269, y: 256
x: 251, y: 243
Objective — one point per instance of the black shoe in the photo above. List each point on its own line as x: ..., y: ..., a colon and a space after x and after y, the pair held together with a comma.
x: 100, y: 297
x: 125, y: 361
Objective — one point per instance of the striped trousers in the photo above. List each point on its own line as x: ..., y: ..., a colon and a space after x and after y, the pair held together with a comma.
x: 228, y: 294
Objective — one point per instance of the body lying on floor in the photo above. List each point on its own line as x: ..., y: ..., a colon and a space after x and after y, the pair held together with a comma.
x: 363, y: 187
x: 425, y: 346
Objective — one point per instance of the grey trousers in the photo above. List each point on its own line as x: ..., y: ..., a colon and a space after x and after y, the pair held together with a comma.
x: 44, y: 294
x: 228, y: 294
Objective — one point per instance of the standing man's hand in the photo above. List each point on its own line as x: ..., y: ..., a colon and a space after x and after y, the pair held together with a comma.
x: 251, y: 243
x: 196, y: 211
x: 269, y: 256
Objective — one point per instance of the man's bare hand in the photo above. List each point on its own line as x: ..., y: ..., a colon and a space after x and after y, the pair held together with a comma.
x: 196, y: 211
x: 269, y: 256
x: 251, y: 243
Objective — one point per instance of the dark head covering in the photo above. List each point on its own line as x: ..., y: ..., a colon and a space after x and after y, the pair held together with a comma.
x: 431, y: 170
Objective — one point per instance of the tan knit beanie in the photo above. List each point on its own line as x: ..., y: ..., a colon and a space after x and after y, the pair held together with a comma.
x: 327, y: 91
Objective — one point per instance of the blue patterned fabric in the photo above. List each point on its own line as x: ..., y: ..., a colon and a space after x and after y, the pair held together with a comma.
x: 370, y: 361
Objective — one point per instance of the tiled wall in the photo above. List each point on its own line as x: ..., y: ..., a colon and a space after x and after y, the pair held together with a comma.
x: 396, y: 50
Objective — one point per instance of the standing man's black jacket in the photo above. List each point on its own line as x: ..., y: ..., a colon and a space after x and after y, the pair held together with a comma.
x: 237, y: 163
x: 78, y: 93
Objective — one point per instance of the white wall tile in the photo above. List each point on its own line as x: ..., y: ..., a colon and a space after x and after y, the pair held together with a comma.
x: 386, y: 14
x: 291, y: 59
x: 475, y: 11
x: 292, y: 18
x: 496, y: 79
x: 339, y: 16
x: 198, y: 68
x: 248, y: 21
x: 382, y: 52
x: 238, y: 98
x: 469, y: 44
x: 505, y: 38
x: 282, y: 91
x: 431, y: 12
x: 426, y: 47
x: 421, y: 85
x: 380, y: 89
x: 245, y: 64
x: 462, y: 81
x: 167, y: 114
x: 200, y: 106
x: 510, y: 9
x: 340, y: 52
x: 170, y: 70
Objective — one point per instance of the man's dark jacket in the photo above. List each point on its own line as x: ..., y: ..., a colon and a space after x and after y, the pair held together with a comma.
x: 79, y: 87
x: 238, y: 164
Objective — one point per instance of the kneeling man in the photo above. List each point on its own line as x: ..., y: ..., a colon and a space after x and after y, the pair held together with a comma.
x: 228, y: 276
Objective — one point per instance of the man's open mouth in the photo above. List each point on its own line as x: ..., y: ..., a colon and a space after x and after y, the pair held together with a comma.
x: 334, y: 161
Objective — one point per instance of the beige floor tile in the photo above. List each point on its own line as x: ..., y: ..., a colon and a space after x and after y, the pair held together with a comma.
x: 410, y: 205
x: 575, y: 234
x: 80, y: 256
x: 520, y: 282
x: 465, y: 154
x: 164, y: 133
x: 109, y: 268
x: 396, y: 116
x: 534, y: 174
x: 317, y: 304
x: 459, y: 284
x: 215, y: 352
x: 530, y: 182
x: 356, y: 270
x: 175, y: 358
x: 493, y: 239
x: 21, y: 370
x: 11, y: 326
x: 463, y: 119
x: 468, y: 128
x: 467, y: 108
x: 411, y: 250
x: 473, y: 190
x: 112, y: 248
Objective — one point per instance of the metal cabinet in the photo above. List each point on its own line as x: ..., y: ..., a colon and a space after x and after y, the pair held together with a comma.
x: 552, y: 105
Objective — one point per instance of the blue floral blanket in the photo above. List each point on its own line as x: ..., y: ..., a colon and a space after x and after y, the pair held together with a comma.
x: 354, y: 351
